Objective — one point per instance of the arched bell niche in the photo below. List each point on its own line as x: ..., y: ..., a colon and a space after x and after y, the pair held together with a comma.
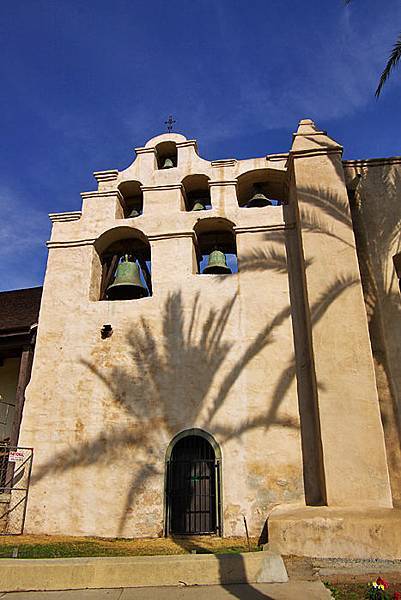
x: 126, y: 265
x: 261, y: 187
x: 132, y: 201
x: 216, y: 247
x: 197, y: 193
x: 166, y: 155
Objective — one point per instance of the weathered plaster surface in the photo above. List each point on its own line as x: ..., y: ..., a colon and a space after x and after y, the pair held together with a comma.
x: 203, y: 351
x: 377, y: 222
x: 345, y: 392
x: 274, y: 361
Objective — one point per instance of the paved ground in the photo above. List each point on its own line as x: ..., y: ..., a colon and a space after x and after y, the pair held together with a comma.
x: 302, y: 590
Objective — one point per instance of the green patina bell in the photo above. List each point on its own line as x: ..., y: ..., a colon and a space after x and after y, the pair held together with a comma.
x: 217, y: 264
x: 198, y: 206
x: 168, y: 164
x: 127, y: 284
x: 259, y: 199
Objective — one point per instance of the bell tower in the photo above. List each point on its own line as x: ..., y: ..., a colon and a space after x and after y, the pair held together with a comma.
x: 207, y: 313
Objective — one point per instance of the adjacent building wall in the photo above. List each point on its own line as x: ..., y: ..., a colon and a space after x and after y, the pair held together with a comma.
x: 375, y: 195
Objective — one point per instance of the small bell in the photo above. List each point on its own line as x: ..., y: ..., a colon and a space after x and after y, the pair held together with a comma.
x: 127, y: 283
x: 259, y: 199
x: 198, y: 206
x: 168, y: 164
x: 134, y: 213
x: 217, y: 264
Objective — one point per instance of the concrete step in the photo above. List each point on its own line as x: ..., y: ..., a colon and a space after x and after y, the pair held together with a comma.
x: 141, y: 571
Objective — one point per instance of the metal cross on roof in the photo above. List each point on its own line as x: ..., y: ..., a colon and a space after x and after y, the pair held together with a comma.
x: 170, y: 122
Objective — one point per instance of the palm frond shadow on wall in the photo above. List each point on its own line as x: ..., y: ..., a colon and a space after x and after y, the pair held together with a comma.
x: 197, y: 343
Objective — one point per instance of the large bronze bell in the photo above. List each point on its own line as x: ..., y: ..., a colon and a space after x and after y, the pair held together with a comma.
x: 217, y: 264
x: 168, y: 164
x: 127, y: 284
x: 258, y: 199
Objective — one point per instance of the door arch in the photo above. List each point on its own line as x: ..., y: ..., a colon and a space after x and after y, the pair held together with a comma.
x: 193, y: 484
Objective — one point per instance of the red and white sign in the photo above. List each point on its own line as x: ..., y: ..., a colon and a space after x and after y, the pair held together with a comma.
x: 15, y: 456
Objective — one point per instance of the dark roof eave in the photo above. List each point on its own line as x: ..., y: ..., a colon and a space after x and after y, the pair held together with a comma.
x: 19, y: 309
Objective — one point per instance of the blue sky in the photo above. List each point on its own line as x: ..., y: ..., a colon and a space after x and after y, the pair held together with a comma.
x: 85, y: 81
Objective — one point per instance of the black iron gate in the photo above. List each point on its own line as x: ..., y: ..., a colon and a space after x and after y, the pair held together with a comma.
x: 15, y: 474
x: 193, y: 494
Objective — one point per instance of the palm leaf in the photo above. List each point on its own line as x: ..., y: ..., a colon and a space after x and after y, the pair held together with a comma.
x: 391, y: 63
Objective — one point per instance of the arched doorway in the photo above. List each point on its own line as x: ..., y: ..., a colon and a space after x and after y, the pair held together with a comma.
x: 193, y: 485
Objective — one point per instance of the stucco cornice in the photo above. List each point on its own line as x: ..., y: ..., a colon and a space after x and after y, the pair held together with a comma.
x: 161, y: 188
x: 312, y: 133
x: 223, y: 182
x: 102, y: 176
x: 70, y: 243
x: 187, y: 144
x: 167, y: 236
x: 102, y: 194
x: 144, y: 150
x: 262, y: 228
x: 372, y: 162
x: 225, y: 162
x: 91, y: 241
x: 277, y: 157
x: 65, y: 217
x: 314, y: 152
